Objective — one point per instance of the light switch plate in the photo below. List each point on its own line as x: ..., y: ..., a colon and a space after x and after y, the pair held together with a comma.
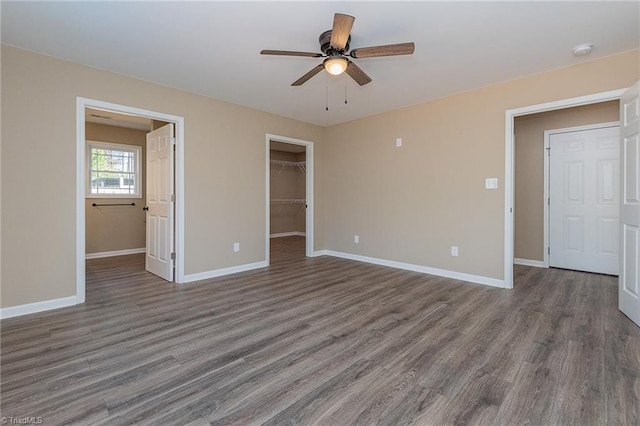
x: 491, y: 183
x: 398, y: 142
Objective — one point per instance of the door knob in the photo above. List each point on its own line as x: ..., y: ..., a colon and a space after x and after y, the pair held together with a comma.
x: 145, y: 208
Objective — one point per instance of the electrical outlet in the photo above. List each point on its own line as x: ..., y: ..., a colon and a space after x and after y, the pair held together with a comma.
x: 236, y: 247
x: 356, y: 239
x: 454, y: 250
x: 398, y: 142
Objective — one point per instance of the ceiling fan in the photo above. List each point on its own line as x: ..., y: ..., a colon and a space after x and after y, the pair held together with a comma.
x: 334, y: 45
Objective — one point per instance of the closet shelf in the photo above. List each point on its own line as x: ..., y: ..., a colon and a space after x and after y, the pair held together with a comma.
x: 301, y: 202
x: 289, y: 200
x: 301, y: 165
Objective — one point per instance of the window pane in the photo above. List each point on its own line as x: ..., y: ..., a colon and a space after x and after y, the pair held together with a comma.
x: 112, y: 171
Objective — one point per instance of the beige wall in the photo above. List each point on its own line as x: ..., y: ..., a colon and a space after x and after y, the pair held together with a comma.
x: 411, y: 204
x: 113, y: 228
x: 408, y: 204
x: 156, y: 124
x: 286, y: 183
x: 224, y: 171
x: 529, y: 168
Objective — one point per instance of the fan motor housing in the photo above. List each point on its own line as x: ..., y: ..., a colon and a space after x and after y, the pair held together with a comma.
x: 325, y: 44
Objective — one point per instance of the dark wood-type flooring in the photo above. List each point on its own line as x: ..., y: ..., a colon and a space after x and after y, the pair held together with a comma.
x: 326, y: 341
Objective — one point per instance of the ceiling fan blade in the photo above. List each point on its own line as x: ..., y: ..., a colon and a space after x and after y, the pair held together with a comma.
x: 290, y: 53
x: 386, y: 50
x: 341, y: 29
x: 315, y: 70
x: 356, y: 73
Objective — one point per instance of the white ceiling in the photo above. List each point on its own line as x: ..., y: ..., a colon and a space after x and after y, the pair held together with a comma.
x: 212, y: 48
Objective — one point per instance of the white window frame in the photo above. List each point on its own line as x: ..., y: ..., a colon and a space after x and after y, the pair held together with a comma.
x: 137, y: 150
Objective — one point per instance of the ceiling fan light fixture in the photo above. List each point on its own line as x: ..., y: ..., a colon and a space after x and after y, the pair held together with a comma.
x: 335, y: 65
x: 334, y: 44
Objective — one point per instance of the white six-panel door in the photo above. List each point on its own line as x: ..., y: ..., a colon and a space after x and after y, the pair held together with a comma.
x: 160, y: 204
x: 584, y: 200
x: 629, y: 279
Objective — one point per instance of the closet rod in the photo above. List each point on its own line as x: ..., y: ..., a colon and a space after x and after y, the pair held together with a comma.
x: 101, y: 205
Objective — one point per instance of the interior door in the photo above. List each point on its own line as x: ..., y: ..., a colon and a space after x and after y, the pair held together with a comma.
x: 629, y: 279
x: 584, y: 205
x: 160, y: 202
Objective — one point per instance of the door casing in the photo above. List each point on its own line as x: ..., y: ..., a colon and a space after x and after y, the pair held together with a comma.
x: 81, y: 104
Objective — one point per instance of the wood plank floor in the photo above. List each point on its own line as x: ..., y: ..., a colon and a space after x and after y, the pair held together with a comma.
x: 326, y: 341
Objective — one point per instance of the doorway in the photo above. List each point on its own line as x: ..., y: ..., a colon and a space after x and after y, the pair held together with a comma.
x: 130, y: 189
x: 115, y: 189
x: 289, y: 192
x: 510, y: 138
x: 531, y: 186
x: 83, y: 179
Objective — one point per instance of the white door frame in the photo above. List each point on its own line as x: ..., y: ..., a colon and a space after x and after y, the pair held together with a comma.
x: 81, y: 105
x: 309, y: 191
x: 509, y: 161
x: 547, y: 182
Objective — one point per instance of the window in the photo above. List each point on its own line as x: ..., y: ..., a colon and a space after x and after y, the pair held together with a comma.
x: 113, y: 170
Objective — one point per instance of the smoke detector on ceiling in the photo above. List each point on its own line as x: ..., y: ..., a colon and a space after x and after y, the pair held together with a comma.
x: 582, y: 49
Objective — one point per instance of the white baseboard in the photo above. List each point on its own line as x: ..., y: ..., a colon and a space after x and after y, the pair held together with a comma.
x: 224, y: 271
x: 288, y: 234
x: 32, y: 308
x: 529, y: 262
x: 114, y: 253
x: 477, y: 279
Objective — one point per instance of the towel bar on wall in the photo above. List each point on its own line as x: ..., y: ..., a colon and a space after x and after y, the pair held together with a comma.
x: 101, y: 205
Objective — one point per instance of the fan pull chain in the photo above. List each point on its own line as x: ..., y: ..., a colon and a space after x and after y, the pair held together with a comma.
x: 345, y: 88
x: 326, y: 80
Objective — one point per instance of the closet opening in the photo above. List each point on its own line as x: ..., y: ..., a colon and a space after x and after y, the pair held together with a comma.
x: 289, y: 198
